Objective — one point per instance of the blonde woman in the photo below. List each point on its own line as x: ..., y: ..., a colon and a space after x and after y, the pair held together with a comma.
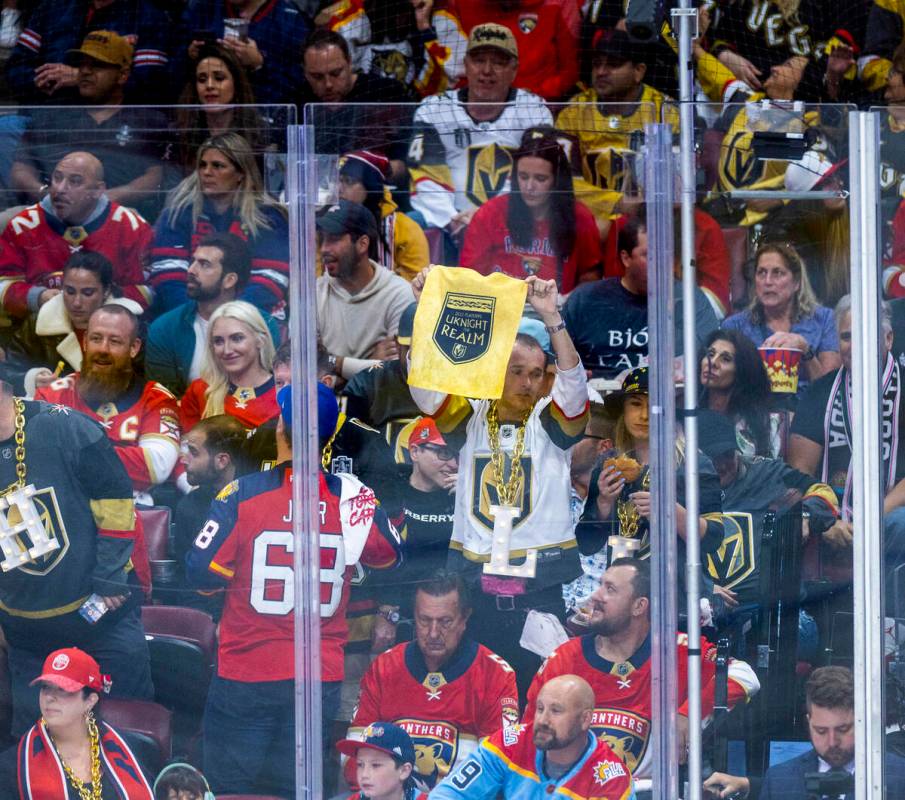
x: 237, y: 375
x: 225, y: 194
x: 785, y: 313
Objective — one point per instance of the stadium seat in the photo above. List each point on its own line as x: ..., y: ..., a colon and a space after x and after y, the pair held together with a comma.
x: 146, y: 727
x: 183, y: 645
x: 156, y: 522
x: 737, y: 245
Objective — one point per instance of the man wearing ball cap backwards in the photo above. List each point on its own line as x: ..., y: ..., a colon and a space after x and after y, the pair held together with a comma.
x: 248, y: 534
x: 384, y: 761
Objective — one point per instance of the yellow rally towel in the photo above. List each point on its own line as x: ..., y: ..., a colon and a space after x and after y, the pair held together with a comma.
x: 464, y: 330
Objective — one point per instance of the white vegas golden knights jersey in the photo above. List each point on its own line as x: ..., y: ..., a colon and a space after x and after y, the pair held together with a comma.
x: 554, y: 426
x: 457, y: 163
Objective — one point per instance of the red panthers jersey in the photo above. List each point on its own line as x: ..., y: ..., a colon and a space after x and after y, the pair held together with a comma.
x: 251, y: 406
x: 622, y: 692
x: 35, y: 245
x: 445, y: 713
x: 143, y: 425
x: 247, y: 543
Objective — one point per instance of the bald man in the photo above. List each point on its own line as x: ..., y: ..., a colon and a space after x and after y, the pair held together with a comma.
x: 554, y: 754
x: 75, y: 214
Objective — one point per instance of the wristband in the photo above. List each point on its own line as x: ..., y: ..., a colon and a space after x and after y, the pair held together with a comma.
x: 809, y: 354
x: 551, y: 329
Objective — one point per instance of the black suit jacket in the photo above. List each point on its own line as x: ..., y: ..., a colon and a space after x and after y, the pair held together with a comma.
x: 786, y: 781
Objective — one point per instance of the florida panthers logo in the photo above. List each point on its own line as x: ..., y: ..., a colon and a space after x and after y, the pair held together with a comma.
x: 436, y: 745
x: 626, y: 733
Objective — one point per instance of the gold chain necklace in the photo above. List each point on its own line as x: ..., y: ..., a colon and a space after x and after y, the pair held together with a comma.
x: 507, y: 491
x: 95, y: 791
x: 20, y: 441
x: 627, y: 512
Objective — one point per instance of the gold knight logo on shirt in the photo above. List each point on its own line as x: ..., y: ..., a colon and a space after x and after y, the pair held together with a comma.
x: 48, y: 510
x: 488, y: 170
x: 485, y: 492
x: 734, y: 561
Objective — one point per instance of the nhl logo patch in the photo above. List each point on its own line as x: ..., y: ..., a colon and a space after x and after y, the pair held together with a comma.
x: 527, y: 22
x: 464, y: 327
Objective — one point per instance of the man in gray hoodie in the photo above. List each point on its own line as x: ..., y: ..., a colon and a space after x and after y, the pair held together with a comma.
x: 359, y: 302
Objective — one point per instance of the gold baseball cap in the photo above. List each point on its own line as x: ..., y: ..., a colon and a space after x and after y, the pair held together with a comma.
x: 107, y: 47
x: 490, y: 34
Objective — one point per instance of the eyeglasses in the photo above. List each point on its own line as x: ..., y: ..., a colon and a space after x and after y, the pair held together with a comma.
x: 443, y: 453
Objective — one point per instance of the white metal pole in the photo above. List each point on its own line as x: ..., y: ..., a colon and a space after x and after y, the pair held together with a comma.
x: 686, y: 16
x: 659, y: 193
x: 864, y: 145
x: 302, y: 189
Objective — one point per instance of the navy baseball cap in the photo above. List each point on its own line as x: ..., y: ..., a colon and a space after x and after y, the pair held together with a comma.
x: 327, y: 410
x: 616, y: 44
x: 347, y: 217
x: 385, y: 737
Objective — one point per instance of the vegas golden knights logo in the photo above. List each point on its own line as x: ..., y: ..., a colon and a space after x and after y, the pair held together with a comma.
x: 734, y: 561
x: 464, y: 326
x: 737, y: 165
x: 488, y: 170
x: 32, y: 535
x: 486, y: 494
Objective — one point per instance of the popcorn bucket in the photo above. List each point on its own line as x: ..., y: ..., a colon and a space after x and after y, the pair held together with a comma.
x: 782, y: 367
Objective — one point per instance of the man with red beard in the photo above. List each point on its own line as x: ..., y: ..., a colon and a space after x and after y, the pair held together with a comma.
x: 140, y: 418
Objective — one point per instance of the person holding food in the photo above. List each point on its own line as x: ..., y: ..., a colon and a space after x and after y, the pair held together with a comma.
x: 619, y: 501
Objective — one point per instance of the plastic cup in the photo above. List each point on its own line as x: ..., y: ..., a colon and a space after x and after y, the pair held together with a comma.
x: 782, y: 367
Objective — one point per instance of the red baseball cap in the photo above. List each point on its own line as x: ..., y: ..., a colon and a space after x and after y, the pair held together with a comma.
x: 426, y: 432
x: 72, y: 669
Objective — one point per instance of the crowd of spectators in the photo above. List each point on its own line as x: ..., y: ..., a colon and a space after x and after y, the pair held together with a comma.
x: 144, y: 363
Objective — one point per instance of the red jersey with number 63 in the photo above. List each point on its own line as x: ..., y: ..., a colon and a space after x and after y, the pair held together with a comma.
x: 247, y: 544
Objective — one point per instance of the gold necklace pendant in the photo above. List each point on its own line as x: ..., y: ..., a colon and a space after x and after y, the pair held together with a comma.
x: 627, y: 512
x: 507, y: 490
x: 92, y: 790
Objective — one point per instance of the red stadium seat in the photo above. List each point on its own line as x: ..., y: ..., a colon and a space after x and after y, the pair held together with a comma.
x: 156, y: 522
x: 183, y: 647
x: 436, y: 245
x: 737, y: 245
x: 146, y: 727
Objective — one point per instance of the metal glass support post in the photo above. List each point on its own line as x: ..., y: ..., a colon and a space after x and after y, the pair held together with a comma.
x: 686, y: 17
x: 660, y: 303
x: 864, y: 139
x: 302, y: 188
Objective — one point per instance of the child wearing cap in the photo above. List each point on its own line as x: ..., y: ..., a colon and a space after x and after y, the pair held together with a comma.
x: 384, y: 761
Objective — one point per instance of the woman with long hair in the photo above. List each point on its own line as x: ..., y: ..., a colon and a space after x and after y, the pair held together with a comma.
x: 401, y: 245
x: 216, y: 99
x: 69, y: 752
x: 225, y: 194
x: 539, y: 228
x: 734, y: 382
x: 237, y: 375
x: 620, y: 502
x: 785, y: 313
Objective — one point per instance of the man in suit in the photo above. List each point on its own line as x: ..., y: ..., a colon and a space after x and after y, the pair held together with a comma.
x: 830, y: 703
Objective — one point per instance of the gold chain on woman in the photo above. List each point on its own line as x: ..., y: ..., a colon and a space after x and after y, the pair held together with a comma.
x: 627, y: 512
x: 507, y: 491
x: 95, y: 790
x: 20, y: 441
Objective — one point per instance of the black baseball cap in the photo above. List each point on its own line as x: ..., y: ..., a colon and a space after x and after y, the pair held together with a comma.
x: 635, y: 382
x: 616, y: 44
x: 348, y: 217
x: 716, y: 433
